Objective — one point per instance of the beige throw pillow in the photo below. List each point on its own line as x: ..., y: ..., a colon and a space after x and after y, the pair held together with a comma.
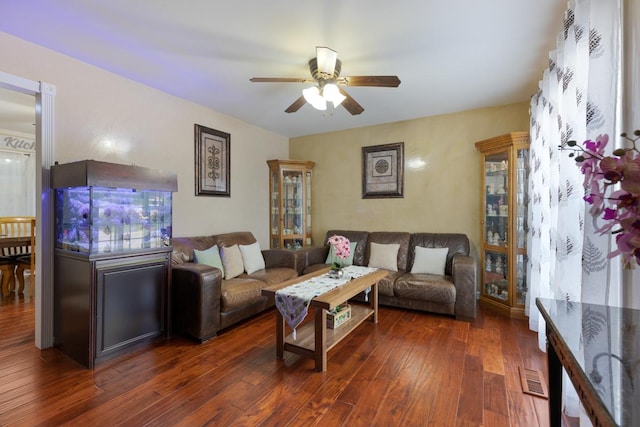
x: 384, y: 256
x: 429, y: 260
x: 252, y: 257
x: 231, y: 261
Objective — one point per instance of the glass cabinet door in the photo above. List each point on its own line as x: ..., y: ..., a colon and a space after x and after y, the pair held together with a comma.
x: 522, y: 197
x: 275, y: 208
x: 521, y: 279
x: 496, y: 172
x: 522, y: 200
x: 290, y: 203
x: 293, y: 209
x: 495, y: 275
x: 308, y: 209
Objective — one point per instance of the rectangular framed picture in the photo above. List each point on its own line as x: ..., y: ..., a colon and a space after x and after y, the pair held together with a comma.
x: 383, y: 171
x: 213, y: 162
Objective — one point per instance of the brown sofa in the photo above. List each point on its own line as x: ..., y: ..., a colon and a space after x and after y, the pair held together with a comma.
x: 453, y: 293
x: 203, y: 302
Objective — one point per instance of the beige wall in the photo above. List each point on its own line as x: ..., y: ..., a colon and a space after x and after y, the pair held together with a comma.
x: 102, y: 116
x: 442, y: 173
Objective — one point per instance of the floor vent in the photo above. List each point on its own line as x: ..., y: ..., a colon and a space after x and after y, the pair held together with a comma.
x: 532, y: 382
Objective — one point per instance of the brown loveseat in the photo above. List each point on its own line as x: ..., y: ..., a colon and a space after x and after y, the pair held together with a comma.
x: 453, y: 293
x: 203, y: 302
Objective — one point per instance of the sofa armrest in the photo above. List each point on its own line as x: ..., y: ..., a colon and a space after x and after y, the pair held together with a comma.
x: 317, y: 255
x: 274, y: 258
x: 463, y: 272
x: 196, y: 291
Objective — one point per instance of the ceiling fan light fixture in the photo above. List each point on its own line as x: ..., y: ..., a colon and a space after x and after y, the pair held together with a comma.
x: 320, y: 104
x: 332, y: 93
x: 313, y: 97
x: 311, y: 94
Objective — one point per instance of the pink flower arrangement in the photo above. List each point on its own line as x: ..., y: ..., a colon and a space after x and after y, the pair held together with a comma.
x: 341, y: 248
x: 620, y: 208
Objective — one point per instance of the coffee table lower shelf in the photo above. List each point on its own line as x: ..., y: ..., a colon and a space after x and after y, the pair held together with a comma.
x: 314, y: 340
x: 305, y: 342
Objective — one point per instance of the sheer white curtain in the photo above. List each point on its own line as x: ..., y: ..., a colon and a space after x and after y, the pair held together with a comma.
x: 631, y: 109
x: 17, y: 184
x: 578, y: 99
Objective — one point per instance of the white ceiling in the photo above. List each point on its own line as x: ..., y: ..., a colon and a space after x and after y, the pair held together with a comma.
x: 450, y: 55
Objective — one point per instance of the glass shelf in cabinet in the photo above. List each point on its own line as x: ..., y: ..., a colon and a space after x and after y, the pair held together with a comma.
x: 495, y: 275
x: 495, y: 173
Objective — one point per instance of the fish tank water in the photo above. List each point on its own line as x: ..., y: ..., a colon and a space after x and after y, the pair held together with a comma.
x: 105, y: 220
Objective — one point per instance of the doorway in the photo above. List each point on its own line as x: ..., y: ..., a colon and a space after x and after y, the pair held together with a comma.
x: 17, y: 153
x: 44, y: 94
x: 17, y: 168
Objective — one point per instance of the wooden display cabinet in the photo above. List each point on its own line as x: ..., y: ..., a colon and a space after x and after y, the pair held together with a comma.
x: 290, y: 203
x: 505, y: 169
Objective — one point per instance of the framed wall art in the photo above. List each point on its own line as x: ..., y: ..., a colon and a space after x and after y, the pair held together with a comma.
x: 213, y: 162
x: 383, y: 171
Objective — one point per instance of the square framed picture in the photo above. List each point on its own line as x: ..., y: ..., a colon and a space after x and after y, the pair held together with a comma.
x: 213, y: 162
x: 383, y: 171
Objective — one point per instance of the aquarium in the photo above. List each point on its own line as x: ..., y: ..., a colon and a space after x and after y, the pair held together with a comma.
x: 106, y: 220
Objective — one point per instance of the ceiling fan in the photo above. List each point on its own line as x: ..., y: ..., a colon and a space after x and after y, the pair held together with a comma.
x: 325, y: 72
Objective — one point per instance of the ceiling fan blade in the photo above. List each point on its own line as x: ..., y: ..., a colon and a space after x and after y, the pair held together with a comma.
x: 326, y: 60
x: 378, y: 81
x: 280, y: 80
x: 297, y: 104
x: 350, y: 104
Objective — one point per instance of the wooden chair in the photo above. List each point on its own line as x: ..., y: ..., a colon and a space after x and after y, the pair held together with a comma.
x: 22, y: 254
x: 7, y: 268
x: 26, y: 263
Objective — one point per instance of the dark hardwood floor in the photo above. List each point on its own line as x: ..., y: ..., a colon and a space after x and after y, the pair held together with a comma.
x: 411, y: 369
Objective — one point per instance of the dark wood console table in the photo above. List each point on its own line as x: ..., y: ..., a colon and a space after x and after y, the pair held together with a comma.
x: 599, y: 348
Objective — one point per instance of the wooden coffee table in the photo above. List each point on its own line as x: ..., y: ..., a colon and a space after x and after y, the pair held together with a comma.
x: 313, y: 338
